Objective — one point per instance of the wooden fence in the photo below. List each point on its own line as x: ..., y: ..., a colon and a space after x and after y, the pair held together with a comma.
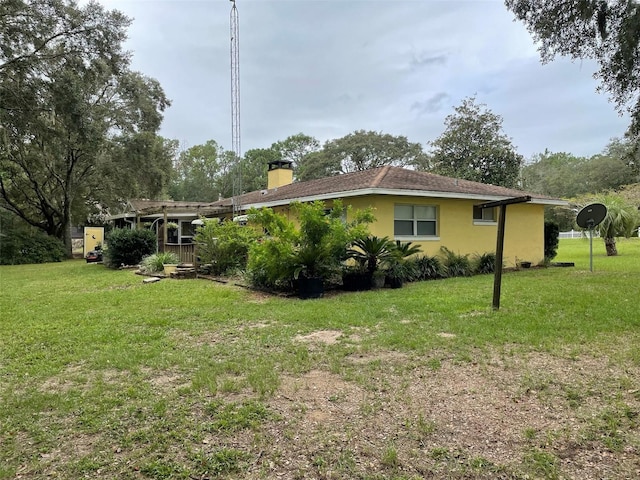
x: 185, y: 252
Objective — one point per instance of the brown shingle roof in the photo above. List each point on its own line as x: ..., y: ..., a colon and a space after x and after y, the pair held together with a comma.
x: 389, y: 180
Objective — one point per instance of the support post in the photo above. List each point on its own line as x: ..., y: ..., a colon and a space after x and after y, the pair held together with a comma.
x: 165, y: 234
x: 497, y: 279
x: 591, y: 249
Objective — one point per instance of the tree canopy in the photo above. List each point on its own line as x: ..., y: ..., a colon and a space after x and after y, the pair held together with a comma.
x: 296, y: 149
x: 357, y: 151
x: 607, y: 31
x: 72, y: 111
x: 474, y: 147
x: 196, y: 173
x: 564, y: 175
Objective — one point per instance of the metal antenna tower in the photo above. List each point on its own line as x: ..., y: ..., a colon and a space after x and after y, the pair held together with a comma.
x: 235, y: 109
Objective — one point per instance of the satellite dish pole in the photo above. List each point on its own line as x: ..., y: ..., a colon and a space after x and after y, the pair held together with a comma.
x: 236, y: 171
x: 590, y: 217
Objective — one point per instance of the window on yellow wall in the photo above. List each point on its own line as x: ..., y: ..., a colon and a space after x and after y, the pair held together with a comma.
x: 415, y: 221
x: 484, y: 214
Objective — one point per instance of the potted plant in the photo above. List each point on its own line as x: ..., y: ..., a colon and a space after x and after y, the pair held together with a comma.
x: 369, y: 253
x: 398, y: 268
x: 378, y: 279
x: 169, y: 261
x: 395, y: 273
x: 355, y: 278
x: 311, y: 267
x: 159, y: 262
x: 322, y: 242
x: 304, y: 255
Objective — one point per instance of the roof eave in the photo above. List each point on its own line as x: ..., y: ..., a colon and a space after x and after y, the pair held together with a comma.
x: 398, y: 192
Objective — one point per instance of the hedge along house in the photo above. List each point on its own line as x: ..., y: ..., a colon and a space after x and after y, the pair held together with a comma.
x: 427, y: 209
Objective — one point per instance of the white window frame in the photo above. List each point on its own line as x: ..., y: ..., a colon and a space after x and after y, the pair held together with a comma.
x: 483, y: 220
x: 415, y: 220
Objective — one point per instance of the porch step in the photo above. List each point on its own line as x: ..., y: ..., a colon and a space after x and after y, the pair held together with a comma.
x: 184, y: 271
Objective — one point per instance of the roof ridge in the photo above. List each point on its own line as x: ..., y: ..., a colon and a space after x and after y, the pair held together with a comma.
x: 380, y: 176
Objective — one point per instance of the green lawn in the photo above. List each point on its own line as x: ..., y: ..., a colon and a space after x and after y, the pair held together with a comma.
x: 102, y: 376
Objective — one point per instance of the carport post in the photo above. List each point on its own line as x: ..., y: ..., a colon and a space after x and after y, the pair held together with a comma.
x: 165, y: 235
x: 497, y: 279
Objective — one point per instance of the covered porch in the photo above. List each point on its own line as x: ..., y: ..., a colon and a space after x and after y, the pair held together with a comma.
x: 172, y: 222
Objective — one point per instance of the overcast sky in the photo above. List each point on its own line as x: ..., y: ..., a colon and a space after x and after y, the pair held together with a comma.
x: 327, y: 68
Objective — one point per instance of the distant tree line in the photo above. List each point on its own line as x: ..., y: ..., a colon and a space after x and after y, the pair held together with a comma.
x: 79, y: 128
x: 473, y: 146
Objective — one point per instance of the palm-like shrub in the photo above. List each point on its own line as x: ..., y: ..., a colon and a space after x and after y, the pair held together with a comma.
x: 485, y: 263
x: 621, y: 220
x: 371, y: 251
x: 456, y: 265
x: 399, y: 267
x: 429, y: 268
x: 405, y: 249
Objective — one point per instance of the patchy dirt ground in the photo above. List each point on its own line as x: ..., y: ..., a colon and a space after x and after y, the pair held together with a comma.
x: 526, y: 416
x: 387, y: 415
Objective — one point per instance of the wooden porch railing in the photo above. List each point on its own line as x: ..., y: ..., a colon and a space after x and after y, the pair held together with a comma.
x: 185, y: 252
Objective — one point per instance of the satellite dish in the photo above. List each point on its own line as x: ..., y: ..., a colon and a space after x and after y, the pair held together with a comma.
x: 591, y: 215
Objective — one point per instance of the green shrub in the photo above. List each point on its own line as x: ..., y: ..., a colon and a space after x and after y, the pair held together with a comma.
x: 225, y: 245
x: 485, y: 263
x: 27, y: 245
x: 128, y: 247
x: 155, y: 263
x: 411, y: 270
x: 429, y: 268
x: 551, y: 240
x: 315, y: 248
x: 270, y: 264
x: 456, y: 265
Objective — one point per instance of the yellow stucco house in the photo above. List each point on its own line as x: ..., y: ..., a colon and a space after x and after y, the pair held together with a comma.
x: 427, y: 209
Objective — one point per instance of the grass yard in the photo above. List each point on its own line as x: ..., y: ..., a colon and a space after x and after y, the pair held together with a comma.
x: 102, y: 376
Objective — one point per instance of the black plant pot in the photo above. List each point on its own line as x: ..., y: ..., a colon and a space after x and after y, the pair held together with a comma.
x: 356, y: 281
x: 378, y: 281
x: 310, y: 287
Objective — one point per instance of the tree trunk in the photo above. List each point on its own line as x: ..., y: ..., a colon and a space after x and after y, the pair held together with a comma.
x: 610, y: 245
x: 66, y: 230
